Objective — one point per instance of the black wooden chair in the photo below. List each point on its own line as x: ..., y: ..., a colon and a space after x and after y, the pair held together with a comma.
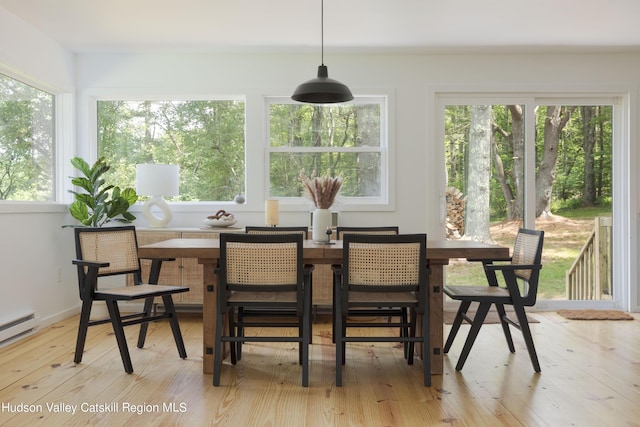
x: 391, y: 311
x: 379, y: 272
x: 243, y: 313
x: 111, y: 251
x: 262, y: 272
x: 520, y: 277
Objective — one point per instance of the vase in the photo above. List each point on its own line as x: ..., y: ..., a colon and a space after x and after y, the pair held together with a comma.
x: 321, y: 221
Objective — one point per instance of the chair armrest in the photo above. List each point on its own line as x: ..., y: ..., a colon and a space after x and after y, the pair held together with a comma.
x: 90, y: 264
x: 504, y: 267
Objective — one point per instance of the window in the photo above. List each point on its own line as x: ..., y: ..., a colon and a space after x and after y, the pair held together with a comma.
x: 27, y: 142
x: 206, y: 138
x: 345, y: 139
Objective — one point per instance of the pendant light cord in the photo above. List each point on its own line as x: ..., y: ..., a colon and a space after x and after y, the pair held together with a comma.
x: 322, y: 31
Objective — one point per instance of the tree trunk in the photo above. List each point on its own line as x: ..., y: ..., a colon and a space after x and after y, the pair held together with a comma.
x: 478, y: 213
x: 589, y: 142
x: 557, y: 118
x: 516, y: 203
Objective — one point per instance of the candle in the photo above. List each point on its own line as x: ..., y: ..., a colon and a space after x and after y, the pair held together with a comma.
x: 271, y: 212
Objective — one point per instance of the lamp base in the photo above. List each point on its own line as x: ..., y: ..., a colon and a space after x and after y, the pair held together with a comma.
x: 151, y: 217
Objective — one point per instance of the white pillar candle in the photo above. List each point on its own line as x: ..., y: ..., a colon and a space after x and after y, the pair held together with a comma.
x: 271, y: 212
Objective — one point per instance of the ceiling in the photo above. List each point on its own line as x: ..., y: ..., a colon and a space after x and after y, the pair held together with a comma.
x: 404, y: 26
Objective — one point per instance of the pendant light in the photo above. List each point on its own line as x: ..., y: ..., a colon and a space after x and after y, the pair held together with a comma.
x: 322, y: 90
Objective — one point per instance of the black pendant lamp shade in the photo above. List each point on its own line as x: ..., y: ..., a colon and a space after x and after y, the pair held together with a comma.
x: 322, y: 89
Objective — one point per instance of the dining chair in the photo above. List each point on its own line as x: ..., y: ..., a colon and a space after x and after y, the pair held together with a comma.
x: 262, y: 272
x: 113, y: 251
x: 243, y: 312
x: 391, y: 311
x: 382, y: 271
x: 517, y: 288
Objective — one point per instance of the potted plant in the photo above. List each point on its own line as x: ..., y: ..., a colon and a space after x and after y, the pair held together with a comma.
x: 99, y: 203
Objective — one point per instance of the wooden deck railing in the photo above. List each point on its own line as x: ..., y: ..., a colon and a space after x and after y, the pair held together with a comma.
x: 590, y: 275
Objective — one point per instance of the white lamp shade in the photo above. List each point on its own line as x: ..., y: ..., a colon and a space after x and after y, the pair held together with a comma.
x: 157, y: 179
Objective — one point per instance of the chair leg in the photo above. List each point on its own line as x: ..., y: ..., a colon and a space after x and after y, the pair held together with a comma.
x: 118, y: 330
x: 175, y: 326
x: 142, y: 336
x: 217, y: 353
x: 239, y: 329
x: 505, y: 327
x: 481, y: 314
x: 344, y: 343
x: 526, y: 333
x: 235, y: 347
x: 340, y: 347
x: 464, y: 306
x: 404, y: 332
x: 306, y: 338
x: 82, y: 330
x: 412, y: 333
x: 426, y: 349
x: 301, y: 332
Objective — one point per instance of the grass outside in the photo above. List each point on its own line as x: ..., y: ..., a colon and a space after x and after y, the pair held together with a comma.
x: 564, y: 238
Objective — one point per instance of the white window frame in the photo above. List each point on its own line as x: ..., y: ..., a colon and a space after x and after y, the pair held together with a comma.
x: 159, y: 95
x: 385, y: 202
x: 63, y: 147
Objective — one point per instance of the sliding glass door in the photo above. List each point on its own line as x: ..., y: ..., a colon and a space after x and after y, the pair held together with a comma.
x: 545, y: 163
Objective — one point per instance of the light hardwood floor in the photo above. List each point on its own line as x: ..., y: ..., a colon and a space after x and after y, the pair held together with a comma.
x: 590, y: 377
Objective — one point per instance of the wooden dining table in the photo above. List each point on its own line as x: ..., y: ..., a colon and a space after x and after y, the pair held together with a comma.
x: 439, y: 253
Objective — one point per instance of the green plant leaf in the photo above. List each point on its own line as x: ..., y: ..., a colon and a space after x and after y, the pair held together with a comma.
x: 129, y: 194
x: 83, y: 183
x: 79, y: 211
x: 81, y: 165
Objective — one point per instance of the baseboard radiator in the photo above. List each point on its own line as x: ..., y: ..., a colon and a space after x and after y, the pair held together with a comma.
x: 19, y: 326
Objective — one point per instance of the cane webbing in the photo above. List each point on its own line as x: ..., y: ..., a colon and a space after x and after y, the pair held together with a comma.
x: 524, y: 253
x: 262, y: 263
x: 118, y: 248
x: 384, y: 264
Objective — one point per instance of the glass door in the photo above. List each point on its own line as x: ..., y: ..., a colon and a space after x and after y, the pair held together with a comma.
x: 535, y: 163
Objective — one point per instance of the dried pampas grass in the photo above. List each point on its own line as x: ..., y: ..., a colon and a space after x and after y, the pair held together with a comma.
x: 321, y: 190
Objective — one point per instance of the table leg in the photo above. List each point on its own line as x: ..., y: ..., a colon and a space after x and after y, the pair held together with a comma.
x: 436, y: 316
x: 210, y: 281
x: 436, y: 308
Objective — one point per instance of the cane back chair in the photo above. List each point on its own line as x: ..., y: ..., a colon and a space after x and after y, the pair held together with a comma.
x: 112, y: 251
x: 520, y: 276
x: 262, y: 272
x: 382, y: 271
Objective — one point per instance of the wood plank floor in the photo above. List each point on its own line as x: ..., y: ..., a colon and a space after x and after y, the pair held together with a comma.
x: 590, y: 377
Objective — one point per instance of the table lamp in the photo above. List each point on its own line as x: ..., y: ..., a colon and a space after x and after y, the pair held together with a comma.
x: 157, y: 180
x: 271, y: 213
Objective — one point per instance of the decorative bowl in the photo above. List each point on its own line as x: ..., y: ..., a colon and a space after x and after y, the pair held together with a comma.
x: 224, y: 221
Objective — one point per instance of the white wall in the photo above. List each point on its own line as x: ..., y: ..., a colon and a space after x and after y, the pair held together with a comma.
x: 36, y: 252
x: 411, y: 79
